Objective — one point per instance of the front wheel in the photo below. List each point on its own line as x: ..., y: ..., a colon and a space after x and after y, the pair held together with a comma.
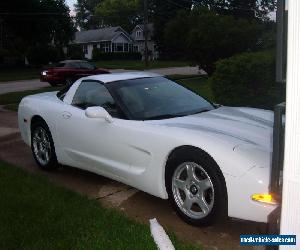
x: 53, y: 84
x: 42, y: 146
x: 195, y: 188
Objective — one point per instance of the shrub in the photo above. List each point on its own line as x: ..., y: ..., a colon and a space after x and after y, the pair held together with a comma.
x: 41, y: 54
x: 99, y: 55
x: 75, y: 52
x: 247, y: 80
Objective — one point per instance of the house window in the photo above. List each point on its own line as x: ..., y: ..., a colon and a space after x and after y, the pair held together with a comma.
x: 119, y: 47
x: 105, y: 47
x: 130, y: 47
x: 138, y: 34
x: 135, y: 48
x: 126, y: 49
x: 85, y: 49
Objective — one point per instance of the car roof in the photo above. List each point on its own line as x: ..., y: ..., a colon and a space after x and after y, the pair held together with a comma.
x: 113, y: 77
x: 71, y: 61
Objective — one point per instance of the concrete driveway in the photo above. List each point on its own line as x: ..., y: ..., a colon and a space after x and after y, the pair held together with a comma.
x: 21, y: 85
x: 132, y: 202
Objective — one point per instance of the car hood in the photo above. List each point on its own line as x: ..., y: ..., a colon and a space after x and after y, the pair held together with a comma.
x: 246, y: 125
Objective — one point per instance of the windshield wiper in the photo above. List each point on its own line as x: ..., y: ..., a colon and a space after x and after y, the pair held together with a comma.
x: 198, y: 112
x: 166, y: 116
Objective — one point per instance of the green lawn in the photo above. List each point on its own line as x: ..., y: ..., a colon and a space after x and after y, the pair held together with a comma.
x: 35, y: 214
x: 199, y: 85
x: 18, y: 74
x: 15, y: 97
x: 138, y: 65
x: 32, y: 73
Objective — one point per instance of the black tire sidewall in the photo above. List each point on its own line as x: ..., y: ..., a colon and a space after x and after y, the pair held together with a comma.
x: 219, y: 210
x: 52, y: 164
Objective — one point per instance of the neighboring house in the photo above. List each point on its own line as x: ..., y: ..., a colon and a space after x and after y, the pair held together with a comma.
x: 116, y: 40
x: 137, y: 35
x: 112, y: 39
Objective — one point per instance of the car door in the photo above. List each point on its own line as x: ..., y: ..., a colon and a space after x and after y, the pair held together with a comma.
x: 112, y: 149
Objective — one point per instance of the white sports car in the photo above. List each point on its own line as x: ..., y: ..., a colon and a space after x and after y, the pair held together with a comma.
x: 155, y: 135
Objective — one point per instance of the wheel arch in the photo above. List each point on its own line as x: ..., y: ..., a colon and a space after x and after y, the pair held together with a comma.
x: 180, y: 150
x: 36, y: 119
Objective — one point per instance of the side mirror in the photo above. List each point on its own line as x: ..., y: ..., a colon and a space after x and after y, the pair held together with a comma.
x: 98, y: 112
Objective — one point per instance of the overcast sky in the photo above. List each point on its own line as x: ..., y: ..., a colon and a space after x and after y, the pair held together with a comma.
x: 71, y: 3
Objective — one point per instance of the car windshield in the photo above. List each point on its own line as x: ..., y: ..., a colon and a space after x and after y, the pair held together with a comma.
x: 157, y: 98
x: 86, y: 65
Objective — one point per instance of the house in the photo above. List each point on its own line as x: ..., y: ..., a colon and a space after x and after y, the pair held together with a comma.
x: 112, y: 39
x: 116, y: 40
x: 137, y: 35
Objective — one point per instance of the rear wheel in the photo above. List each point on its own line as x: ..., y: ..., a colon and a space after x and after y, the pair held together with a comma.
x: 42, y: 146
x: 195, y: 188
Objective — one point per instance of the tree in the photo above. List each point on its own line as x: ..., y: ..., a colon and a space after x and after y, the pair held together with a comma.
x: 124, y: 13
x: 205, y: 36
x: 85, y: 14
x: 33, y: 23
x: 249, y: 9
x: 161, y: 12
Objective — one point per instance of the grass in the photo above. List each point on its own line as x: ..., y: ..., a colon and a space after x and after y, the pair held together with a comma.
x: 15, y: 97
x: 18, y: 74
x: 33, y: 73
x: 35, y: 214
x: 138, y: 65
x: 200, y: 85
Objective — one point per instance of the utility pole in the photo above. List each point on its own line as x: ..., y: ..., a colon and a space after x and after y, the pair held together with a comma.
x: 1, y: 34
x: 146, y: 32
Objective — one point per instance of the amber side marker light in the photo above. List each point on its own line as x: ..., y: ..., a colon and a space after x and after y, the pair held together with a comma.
x: 264, y: 198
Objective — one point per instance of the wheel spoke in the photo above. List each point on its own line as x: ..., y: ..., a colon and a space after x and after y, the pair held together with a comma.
x: 41, y: 145
x: 190, y: 169
x: 204, y: 184
x: 44, y: 136
x: 187, y: 203
x: 180, y: 184
x: 46, y: 155
x: 203, y: 204
x: 47, y: 145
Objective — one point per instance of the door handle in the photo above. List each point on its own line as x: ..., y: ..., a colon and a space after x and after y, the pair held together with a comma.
x: 66, y: 115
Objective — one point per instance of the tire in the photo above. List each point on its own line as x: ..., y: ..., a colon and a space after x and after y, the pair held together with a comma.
x: 53, y: 84
x: 42, y: 146
x: 196, y: 187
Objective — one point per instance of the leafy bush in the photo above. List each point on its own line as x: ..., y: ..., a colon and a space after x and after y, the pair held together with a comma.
x: 41, y: 54
x: 206, y: 37
x: 75, y: 52
x: 10, y: 59
x: 247, y: 80
x: 99, y: 55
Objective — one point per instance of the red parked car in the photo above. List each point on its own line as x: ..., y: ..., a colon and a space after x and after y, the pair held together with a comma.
x: 67, y: 72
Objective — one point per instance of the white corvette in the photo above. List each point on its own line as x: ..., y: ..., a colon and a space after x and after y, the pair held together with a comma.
x: 153, y: 134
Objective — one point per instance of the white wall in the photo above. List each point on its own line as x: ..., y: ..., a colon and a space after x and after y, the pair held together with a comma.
x: 90, y: 51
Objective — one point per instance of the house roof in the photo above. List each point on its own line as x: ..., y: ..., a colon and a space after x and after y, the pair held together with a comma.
x: 96, y: 35
x: 150, y: 27
x: 142, y: 27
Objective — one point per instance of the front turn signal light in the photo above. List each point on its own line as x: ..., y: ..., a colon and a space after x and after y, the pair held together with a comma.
x: 264, y: 198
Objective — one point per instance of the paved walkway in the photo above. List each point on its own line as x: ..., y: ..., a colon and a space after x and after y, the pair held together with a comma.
x: 15, y: 86
x: 134, y: 203
x: 21, y: 85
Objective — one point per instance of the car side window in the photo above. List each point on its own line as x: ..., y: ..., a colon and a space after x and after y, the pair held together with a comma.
x: 93, y: 93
